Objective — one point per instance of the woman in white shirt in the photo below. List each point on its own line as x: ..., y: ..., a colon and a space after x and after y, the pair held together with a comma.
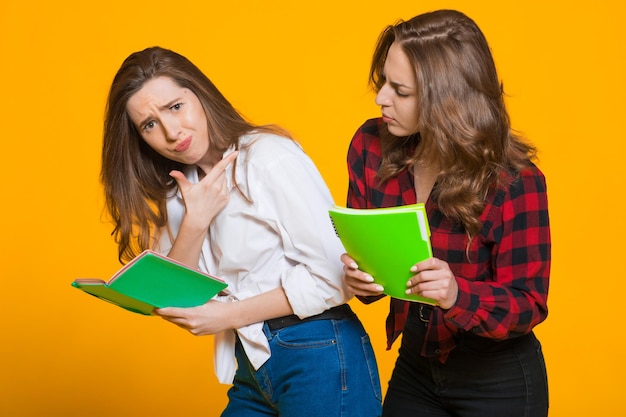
x: 185, y: 174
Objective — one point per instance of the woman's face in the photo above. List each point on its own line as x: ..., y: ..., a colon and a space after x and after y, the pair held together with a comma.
x: 171, y: 121
x: 398, y: 95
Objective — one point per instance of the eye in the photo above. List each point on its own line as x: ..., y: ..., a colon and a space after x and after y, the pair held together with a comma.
x: 149, y: 126
x: 176, y: 106
x: 399, y: 94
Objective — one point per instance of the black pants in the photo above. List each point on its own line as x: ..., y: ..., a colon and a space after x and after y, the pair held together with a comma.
x: 481, y: 377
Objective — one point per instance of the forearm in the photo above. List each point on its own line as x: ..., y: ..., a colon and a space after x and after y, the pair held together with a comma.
x: 187, y: 246
x: 496, y: 311
x: 215, y: 316
x: 265, y: 306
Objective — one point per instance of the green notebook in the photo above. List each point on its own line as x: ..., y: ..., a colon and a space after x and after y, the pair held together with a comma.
x: 386, y: 243
x: 152, y: 281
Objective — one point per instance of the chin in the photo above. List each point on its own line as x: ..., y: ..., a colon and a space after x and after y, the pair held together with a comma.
x: 398, y: 132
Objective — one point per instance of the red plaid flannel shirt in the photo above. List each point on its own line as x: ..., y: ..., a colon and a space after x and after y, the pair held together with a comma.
x: 503, y: 289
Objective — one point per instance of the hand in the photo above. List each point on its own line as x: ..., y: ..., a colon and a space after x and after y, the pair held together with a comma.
x: 434, y: 279
x: 207, y: 319
x: 206, y: 199
x: 357, y: 281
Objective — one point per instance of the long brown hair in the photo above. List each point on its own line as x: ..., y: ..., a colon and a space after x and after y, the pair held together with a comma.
x: 135, y: 177
x: 463, y: 120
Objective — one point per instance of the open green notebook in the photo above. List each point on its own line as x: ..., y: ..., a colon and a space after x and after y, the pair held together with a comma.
x: 386, y: 243
x: 152, y: 281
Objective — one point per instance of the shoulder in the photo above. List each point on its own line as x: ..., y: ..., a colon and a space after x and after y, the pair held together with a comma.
x: 518, y: 192
x: 372, y: 126
x: 365, y: 146
x: 529, y: 180
x: 520, y: 200
x: 367, y: 134
x: 268, y: 147
x: 269, y: 155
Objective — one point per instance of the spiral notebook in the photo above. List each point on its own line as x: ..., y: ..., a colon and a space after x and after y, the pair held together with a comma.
x: 152, y: 281
x: 386, y: 243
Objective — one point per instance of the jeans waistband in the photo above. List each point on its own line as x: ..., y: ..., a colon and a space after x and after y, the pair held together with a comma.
x: 335, y: 313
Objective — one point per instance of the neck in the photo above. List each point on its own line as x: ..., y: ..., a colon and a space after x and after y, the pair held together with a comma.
x: 208, y: 161
x: 425, y: 177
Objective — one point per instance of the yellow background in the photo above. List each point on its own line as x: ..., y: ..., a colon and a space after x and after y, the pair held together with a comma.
x: 303, y: 65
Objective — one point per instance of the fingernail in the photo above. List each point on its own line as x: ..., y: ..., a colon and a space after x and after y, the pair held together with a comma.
x: 353, y: 265
x: 413, y: 268
x: 379, y: 288
x: 369, y: 278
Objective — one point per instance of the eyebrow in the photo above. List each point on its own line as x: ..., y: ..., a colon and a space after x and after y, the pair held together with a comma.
x: 163, y: 107
x: 397, y: 84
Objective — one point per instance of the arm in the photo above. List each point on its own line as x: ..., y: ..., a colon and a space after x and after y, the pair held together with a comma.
x: 203, y: 201
x: 518, y: 300
x: 296, y: 204
x: 215, y: 316
x: 513, y: 298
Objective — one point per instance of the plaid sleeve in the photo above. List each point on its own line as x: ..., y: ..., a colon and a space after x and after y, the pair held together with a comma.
x: 364, y: 157
x: 356, y: 167
x: 514, y: 300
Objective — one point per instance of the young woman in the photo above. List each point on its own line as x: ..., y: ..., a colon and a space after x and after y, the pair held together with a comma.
x: 444, y: 139
x: 186, y: 175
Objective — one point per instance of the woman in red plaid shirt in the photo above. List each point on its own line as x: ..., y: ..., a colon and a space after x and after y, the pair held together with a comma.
x: 445, y: 140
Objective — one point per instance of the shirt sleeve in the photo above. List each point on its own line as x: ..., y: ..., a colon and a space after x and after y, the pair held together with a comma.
x: 297, y: 198
x: 356, y: 173
x: 514, y: 300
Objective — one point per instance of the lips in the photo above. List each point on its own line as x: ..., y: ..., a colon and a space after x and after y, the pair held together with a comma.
x: 184, y: 145
x: 387, y: 119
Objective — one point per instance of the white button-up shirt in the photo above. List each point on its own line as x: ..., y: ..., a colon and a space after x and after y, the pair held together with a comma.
x: 283, y: 237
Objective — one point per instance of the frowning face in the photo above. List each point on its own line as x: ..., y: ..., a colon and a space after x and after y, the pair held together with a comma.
x: 398, y: 95
x: 171, y: 120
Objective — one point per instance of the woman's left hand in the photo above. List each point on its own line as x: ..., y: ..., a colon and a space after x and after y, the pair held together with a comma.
x: 207, y: 198
x: 434, y: 279
x: 207, y: 319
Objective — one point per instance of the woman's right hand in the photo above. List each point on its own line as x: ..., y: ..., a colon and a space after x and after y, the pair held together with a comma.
x: 206, y: 199
x: 357, y: 281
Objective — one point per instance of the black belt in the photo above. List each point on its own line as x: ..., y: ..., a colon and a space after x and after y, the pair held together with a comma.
x: 335, y: 313
x: 425, y: 312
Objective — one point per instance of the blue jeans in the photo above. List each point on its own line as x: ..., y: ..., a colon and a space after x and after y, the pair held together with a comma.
x: 321, y: 368
x: 481, y: 378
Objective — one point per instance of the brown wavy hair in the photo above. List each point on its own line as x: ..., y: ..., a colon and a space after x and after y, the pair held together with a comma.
x: 463, y: 120
x: 136, y: 178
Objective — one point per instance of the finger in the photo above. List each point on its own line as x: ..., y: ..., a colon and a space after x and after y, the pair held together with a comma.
x: 217, y: 173
x: 169, y: 312
x: 348, y: 261
x: 425, y: 265
x: 357, y: 275
x: 422, y: 277
x: 228, y: 159
x: 366, y: 289
x: 180, y: 178
x: 223, y: 163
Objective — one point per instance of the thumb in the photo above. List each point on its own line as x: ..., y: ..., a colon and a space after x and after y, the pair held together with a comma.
x: 180, y: 179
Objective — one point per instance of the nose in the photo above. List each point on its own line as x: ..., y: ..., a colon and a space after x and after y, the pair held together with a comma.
x: 171, y: 128
x: 383, y: 97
